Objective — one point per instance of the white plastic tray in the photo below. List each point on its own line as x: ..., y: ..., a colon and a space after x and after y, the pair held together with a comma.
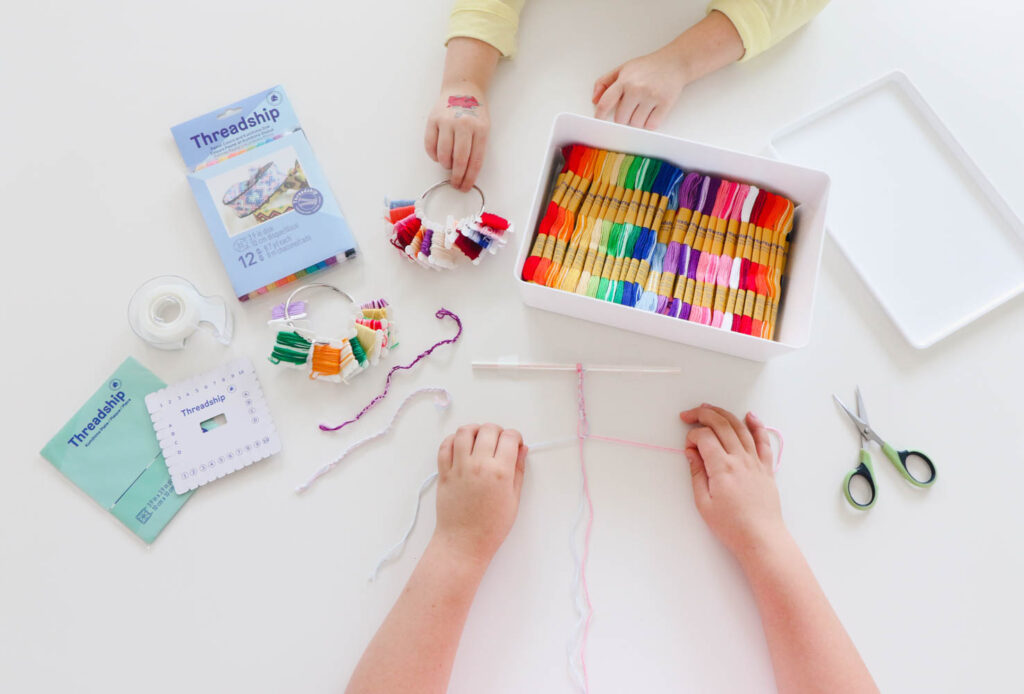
x: 926, y: 230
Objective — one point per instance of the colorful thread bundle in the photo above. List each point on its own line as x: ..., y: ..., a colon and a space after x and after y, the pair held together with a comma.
x: 440, y: 247
x: 334, y: 359
x: 636, y: 231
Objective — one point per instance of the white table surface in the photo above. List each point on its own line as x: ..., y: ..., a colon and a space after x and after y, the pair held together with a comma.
x: 252, y: 588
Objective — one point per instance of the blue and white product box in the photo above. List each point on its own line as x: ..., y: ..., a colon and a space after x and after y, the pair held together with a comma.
x: 262, y: 193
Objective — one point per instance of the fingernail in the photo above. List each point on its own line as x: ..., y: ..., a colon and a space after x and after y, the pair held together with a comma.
x: 757, y: 420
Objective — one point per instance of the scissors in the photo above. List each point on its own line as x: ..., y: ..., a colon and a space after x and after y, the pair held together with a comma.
x: 898, y: 458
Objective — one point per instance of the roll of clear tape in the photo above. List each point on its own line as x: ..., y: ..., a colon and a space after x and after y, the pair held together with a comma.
x: 166, y: 311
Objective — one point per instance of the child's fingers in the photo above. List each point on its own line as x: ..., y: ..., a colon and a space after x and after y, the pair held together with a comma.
x: 430, y: 139
x: 463, y: 444
x: 655, y: 119
x: 445, y: 454
x: 710, y: 449
x: 606, y: 104
x: 699, y: 475
x: 486, y: 442
x: 460, y: 155
x: 517, y: 479
x: 507, y: 450
x: 476, y: 159
x: 445, y: 144
x: 741, y: 429
x: 718, y: 424
x: 762, y: 440
x: 640, y: 115
x: 627, y: 105
x: 602, y: 83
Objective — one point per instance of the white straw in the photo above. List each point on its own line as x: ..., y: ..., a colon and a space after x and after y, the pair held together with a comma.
x: 527, y: 366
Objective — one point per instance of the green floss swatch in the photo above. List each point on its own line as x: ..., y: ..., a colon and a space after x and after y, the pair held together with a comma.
x: 110, y: 451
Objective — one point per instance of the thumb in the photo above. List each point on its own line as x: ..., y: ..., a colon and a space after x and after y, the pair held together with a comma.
x: 762, y: 440
x: 517, y: 480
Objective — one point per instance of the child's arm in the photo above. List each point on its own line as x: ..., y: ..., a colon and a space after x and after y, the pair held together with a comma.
x: 480, y: 475
x: 734, y: 489
x: 642, y: 91
x: 457, y: 127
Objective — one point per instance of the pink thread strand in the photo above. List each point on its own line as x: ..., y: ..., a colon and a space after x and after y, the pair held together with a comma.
x: 582, y: 433
x: 441, y: 313
x: 636, y: 444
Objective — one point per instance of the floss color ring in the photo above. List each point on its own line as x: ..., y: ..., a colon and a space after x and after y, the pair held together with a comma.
x: 336, y: 359
x: 441, y: 246
x: 167, y: 310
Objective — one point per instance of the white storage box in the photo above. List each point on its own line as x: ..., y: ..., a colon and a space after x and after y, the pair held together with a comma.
x: 807, y: 188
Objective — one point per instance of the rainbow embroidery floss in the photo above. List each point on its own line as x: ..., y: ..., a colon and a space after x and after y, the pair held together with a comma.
x: 707, y: 268
x: 639, y: 232
x: 564, y: 263
x: 689, y: 255
x: 737, y: 260
x: 558, y: 240
x: 779, y: 269
x: 440, y: 247
x: 602, y: 265
x: 639, y: 242
x: 335, y: 358
x: 721, y: 292
x: 567, y: 183
x: 747, y: 255
x: 664, y: 194
x: 677, y: 251
x: 698, y: 246
x: 588, y: 220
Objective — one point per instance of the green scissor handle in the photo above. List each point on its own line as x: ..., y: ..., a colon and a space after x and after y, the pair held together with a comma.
x: 900, y: 458
x: 867, y: 473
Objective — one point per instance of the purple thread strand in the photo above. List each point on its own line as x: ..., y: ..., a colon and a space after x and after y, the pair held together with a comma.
x: 297, y: 308
x: 441, y: 313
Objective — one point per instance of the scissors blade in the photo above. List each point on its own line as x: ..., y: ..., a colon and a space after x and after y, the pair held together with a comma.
x: 861, y: 411
x: 862, y: 426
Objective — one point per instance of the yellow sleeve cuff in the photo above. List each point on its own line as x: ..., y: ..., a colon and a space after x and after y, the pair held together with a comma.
x: 763, y: 23
x: 492, y: 21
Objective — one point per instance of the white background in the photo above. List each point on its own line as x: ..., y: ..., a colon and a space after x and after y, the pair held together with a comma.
x: 252, y: 588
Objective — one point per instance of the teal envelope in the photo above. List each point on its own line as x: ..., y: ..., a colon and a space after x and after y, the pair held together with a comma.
x: 109, y: 449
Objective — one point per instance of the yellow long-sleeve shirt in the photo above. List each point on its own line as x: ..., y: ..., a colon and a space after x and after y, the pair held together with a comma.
x: 761, y: 23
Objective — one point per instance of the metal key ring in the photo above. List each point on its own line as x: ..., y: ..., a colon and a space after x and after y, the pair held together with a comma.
x: 446, y: 182
x: 288, y: 304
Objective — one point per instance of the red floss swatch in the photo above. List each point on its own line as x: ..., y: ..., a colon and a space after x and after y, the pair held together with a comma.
x: 494, y: 221
x: 468, y: 246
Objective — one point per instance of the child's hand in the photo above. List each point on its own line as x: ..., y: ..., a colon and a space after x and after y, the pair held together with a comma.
x: 642, y: 91
x: 733, y: 481
x: 480, y: 476
x: 456, y: 136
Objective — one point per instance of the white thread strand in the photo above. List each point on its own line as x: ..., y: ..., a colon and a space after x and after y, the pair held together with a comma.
x: 442, y: 399
x: 396, y: 551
